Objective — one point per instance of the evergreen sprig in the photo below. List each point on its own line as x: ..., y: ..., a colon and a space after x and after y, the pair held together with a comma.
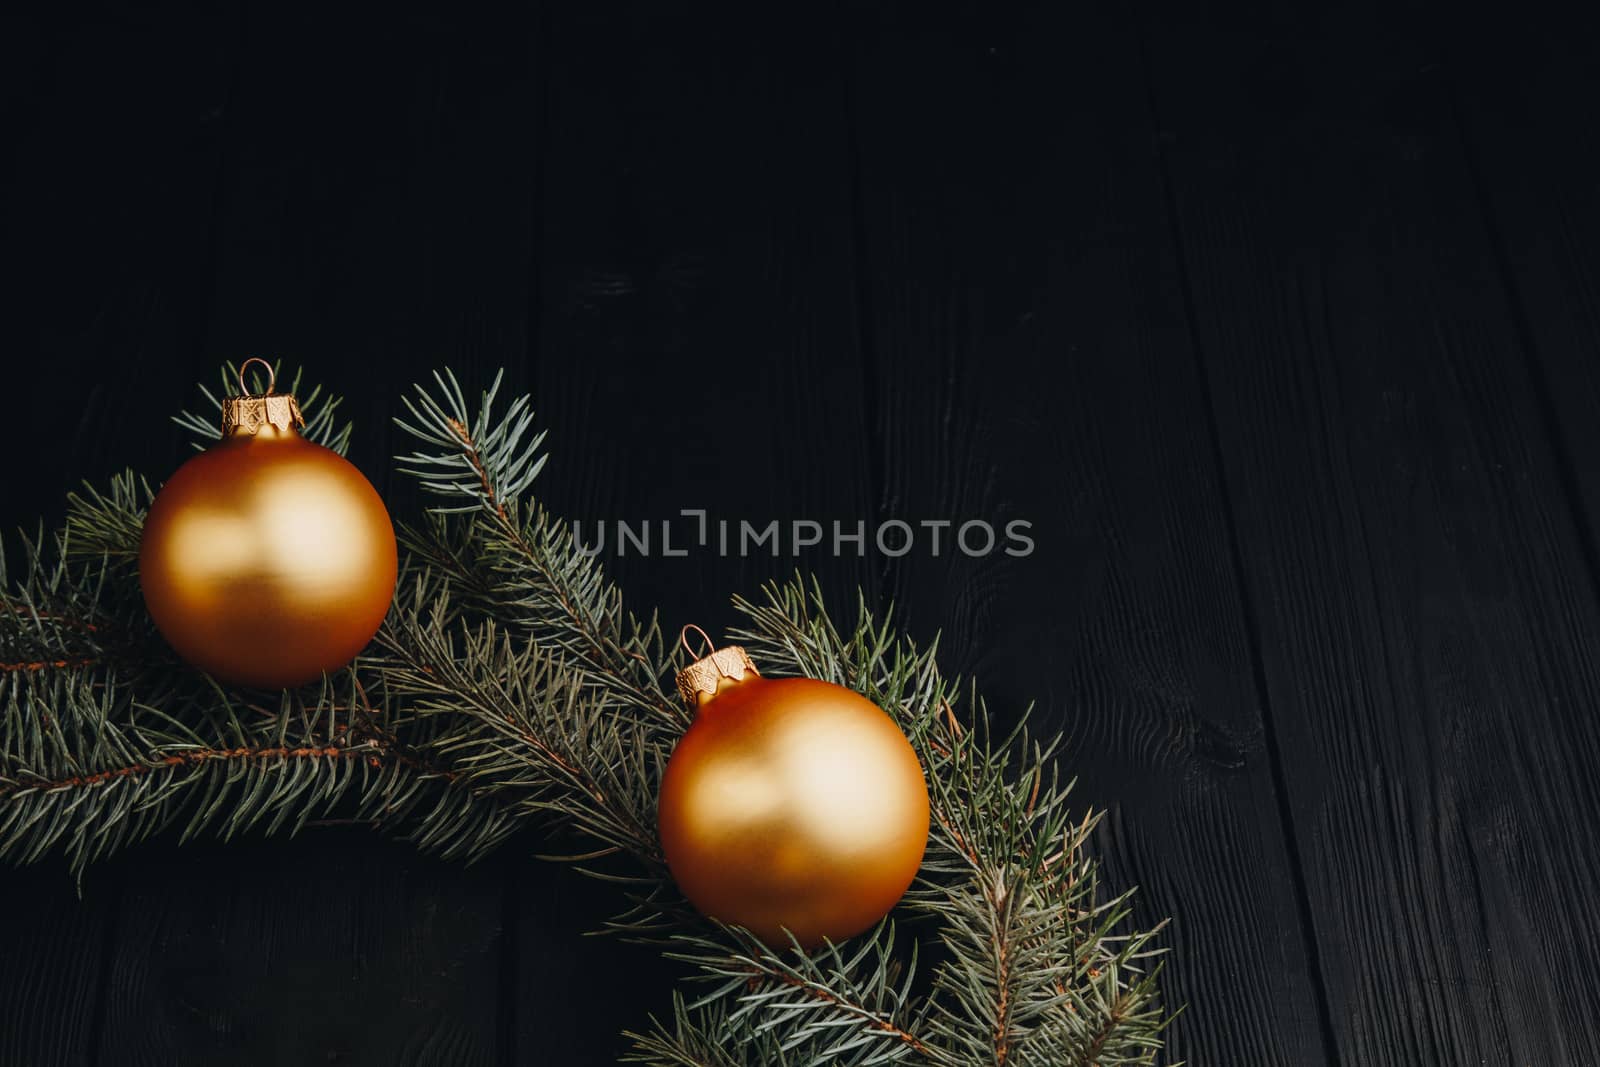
x: 509, y: 685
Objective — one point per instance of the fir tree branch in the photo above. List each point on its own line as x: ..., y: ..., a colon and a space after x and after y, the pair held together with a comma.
x: 831, y: 1000
x: 84, y: 766
x: 509, y: 684
x: 528, y: 571
x: 105, y: 739
x: 186, y: 758
x: 1016, y: 919
x: 106, y: 524
x: 519, y: 721
x: 698, y: 1038
x: 1007, y: 875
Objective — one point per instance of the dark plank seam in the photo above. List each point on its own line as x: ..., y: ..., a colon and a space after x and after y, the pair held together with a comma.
x: 43, y: 84
x: 541, y: 126
x: 866, y: 350
x: 1481, y: 900
x: 208, y: 296
x: 205, y: 300
x: 509, y: 986
x: 1560, y: 449
x: 1246, y: 601
x: 102, y: 989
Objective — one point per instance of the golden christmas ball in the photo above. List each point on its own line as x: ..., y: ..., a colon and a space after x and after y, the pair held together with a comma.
x: 790, y: 804
x: 267, y: 559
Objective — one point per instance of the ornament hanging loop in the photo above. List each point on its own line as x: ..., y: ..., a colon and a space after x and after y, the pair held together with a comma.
x: 700, y: 680
x: 272, y: 377
x: 249, y: 413
x: 683, y: 639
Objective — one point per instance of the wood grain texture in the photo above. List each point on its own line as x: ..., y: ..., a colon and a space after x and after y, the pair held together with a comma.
x: 696, y: 350
x: 1028, y: 331
x: 697, y: 343
x: 109, y: 176
x: 1426, y: 626
x: 330, y: 949
x: 374, y: 223
x: 30, y: 47
x: 1524, y: 95
x: 52, y: 987
x: 377, y: 220
x: 1310, y: 458
x: 576, y: 993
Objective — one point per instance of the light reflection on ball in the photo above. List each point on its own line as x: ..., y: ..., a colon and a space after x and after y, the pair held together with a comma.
x: 794, y: 804
x: 267, y: 560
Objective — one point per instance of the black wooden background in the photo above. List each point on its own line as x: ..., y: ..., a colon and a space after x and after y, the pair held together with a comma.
x: 1278, y: 324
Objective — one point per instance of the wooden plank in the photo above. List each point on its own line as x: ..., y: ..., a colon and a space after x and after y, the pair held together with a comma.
x: 697, y: 335
x: 1034, y: 364
x: 576, y: 993
x: 1524, y: 93
x: 375, y: 223
x: 335, y: 949
x: 1425, y: 618
x: 696, y: 350
x: 109, y: 171
x: 378, y: 224
x: 52, y: 986
x: 30, y: 46
x: 111, y: 182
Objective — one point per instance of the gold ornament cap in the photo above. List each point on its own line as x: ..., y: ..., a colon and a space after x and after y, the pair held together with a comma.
x: 700, y: 680
x: 249, y: 413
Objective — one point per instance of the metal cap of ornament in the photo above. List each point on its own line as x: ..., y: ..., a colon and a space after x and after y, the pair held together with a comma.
x: 700, y: 680
x: 248, y: 413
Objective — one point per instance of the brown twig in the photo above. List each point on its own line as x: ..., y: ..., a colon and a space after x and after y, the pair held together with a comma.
x: 1113, y: 1020
x: 879, y: 1023
x: 1002, y: 1023
x: 191, y: 758
x: 376, y: 747
x: 597, y: 644
x: 473, y: 457
x: 389, y: 743
x: 50, y: 616
x: 47, y: 664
